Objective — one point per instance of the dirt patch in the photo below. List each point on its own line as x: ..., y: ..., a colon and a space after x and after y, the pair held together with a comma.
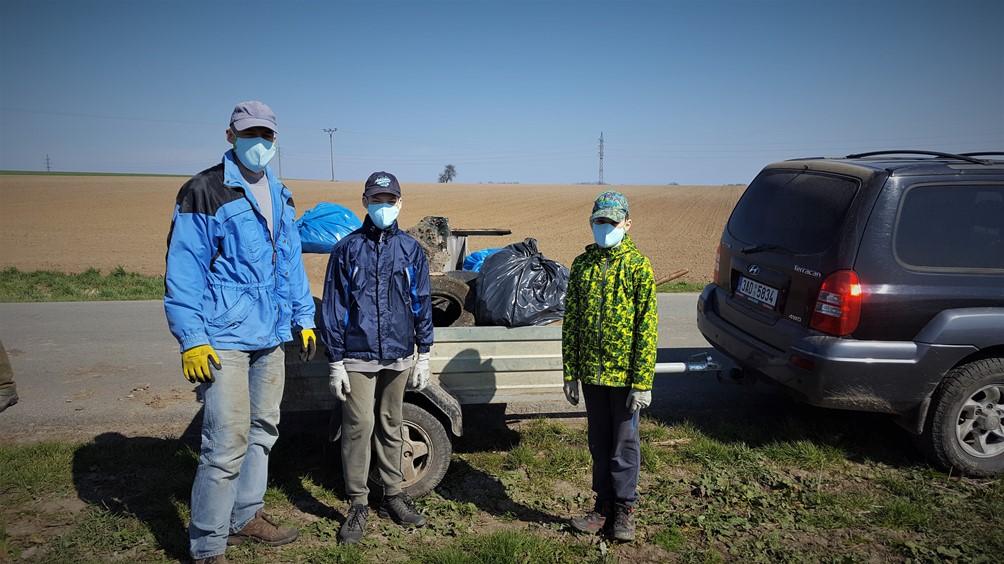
x: 128, y: 218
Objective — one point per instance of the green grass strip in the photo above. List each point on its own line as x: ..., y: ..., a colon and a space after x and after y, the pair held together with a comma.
x: 91, y: 285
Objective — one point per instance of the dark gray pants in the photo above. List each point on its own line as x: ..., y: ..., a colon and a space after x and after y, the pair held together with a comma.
x: 371, y: 424
x: 613, y: 444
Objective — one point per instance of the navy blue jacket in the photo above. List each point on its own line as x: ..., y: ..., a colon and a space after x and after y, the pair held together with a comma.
x: 377, y: 303
x: 229, y: 282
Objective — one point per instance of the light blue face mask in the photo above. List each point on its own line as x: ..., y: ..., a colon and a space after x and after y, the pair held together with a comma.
x: 607, y: 235
x: 254, y: 152
x: 383, y: 215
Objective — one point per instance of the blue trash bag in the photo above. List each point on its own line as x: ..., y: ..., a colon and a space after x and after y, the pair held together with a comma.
x: 474, y: 260
x: 324, y: 225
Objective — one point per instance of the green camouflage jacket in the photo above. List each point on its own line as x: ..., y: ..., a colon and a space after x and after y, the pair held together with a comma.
x: 609, y: 336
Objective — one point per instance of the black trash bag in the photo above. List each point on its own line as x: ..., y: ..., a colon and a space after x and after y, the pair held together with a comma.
x: 519, y: 286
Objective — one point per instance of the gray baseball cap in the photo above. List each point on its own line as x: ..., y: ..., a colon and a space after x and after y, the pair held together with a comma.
x: 252, y: 114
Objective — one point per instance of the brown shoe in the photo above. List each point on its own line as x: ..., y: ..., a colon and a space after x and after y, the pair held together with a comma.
x: 264, y: 530
x: 218, y: 559
x: 592, y: 522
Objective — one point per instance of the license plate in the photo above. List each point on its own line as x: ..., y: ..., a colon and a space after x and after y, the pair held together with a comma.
x: 757, y: 292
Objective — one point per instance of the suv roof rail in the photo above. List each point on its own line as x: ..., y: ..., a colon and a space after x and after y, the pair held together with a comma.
x: 984, y: 154
x: 966, y: 158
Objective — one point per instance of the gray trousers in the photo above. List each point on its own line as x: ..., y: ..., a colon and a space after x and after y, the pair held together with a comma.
x: 371, y: 423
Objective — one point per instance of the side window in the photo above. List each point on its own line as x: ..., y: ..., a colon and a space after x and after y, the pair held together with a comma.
x: 951, y: 227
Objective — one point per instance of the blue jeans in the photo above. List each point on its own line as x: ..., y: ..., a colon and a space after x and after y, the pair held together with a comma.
x: 614, y: 443
x: 239, y: 427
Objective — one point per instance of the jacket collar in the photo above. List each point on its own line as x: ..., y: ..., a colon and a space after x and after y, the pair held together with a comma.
x: 373, y: 232
x: 626, y: 246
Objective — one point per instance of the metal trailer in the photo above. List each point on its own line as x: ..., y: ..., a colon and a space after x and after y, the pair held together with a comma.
x: 518, y: 366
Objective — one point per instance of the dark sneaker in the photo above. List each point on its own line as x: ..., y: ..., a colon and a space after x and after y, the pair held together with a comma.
x: 402, y: 510
x: 218, y: 559
x: 592, y: 522
x: 264, y: 530
x: 354, y: 527
x: 623, y: 529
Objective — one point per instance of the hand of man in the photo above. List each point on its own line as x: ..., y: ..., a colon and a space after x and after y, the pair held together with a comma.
x: 338, y: 380
x: 195, y: 363
x: 308, y: 345
x: 572, y: 392
x: 420, y: 375
x: 639, y: 400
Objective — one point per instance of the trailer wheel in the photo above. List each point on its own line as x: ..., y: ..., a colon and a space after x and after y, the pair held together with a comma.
x: 425, y: 454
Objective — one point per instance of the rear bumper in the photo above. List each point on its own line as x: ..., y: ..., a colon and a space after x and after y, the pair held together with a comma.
x: 880, y: 376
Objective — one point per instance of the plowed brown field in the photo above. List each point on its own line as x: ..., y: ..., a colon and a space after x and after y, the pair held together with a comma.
x: 71, y: 223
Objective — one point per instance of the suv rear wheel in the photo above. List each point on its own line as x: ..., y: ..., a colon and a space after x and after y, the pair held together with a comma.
x: 966, y: 428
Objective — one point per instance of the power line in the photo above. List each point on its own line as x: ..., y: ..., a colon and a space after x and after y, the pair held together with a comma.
x: 48, y: 163
x: 331, y: 147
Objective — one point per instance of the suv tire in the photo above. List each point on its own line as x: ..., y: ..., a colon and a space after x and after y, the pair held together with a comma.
x: 966, y: 384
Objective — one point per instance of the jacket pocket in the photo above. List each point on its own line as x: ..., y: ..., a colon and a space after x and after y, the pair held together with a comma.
x: 251, y: 239
x: 236, y: 313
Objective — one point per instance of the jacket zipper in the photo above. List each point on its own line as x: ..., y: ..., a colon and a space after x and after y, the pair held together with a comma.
x: 379, y: 332
x: 599, y: 319
x: 271, y: 238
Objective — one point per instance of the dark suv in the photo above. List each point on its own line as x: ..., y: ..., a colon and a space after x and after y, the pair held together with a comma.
x: 874, y: 282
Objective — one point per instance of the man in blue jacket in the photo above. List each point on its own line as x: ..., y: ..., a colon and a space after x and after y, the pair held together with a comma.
x: 377, y: 310
x: 235, y: 290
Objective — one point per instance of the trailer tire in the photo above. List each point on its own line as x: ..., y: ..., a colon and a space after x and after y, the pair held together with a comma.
x: 425, y: 454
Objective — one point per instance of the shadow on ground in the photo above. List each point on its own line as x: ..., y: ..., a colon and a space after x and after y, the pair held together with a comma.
x: 760, y: 413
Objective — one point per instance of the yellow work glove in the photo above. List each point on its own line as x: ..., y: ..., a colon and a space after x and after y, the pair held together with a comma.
x: 308, y: 345
x: 195, y: 363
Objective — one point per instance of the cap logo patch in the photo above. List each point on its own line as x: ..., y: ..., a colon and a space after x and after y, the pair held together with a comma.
x: 383, y: 181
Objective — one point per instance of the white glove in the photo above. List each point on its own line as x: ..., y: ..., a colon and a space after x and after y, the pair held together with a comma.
x: 639, y: 400
x: 420, y: 375
x: 338, y: 380
x: 572, y: 392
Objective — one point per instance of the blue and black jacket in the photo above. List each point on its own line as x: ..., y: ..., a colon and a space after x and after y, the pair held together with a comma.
x: 377, y: 303
x: 230, y: 283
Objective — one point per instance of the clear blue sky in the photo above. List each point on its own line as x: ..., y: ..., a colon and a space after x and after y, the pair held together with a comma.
x: 688, y: 92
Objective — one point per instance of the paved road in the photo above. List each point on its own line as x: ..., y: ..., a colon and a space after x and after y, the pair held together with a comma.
x: 90, y: 367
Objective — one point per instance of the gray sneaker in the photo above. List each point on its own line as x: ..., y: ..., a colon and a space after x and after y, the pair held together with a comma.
x: 354, y: 527
x: 623, y: 529
x: 592, y: 522
x: 402, y: 510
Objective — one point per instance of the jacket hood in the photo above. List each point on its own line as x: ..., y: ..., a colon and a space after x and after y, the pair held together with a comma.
x: 373, y: 232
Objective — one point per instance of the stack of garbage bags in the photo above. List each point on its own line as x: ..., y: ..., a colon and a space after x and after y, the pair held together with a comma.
x: 519, y: 286
x: 324, y: 225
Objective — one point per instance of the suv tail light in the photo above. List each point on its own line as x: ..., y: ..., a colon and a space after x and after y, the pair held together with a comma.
x: 838, y: 307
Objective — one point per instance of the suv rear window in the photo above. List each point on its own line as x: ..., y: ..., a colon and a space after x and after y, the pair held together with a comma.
x: 952, y: 227
x: 799, y: 211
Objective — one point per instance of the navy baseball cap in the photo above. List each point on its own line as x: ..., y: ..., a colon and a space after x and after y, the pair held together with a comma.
x: 252, y: 114
x: 382, y: 183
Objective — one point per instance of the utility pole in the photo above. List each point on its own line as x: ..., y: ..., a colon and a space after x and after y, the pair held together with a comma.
x: 48, y: 163
x: 601, y: 159
x: 331, y: 145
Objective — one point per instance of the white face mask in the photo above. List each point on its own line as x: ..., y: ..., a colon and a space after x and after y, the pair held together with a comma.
x: 383, y: 215
x: 607, y: 235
